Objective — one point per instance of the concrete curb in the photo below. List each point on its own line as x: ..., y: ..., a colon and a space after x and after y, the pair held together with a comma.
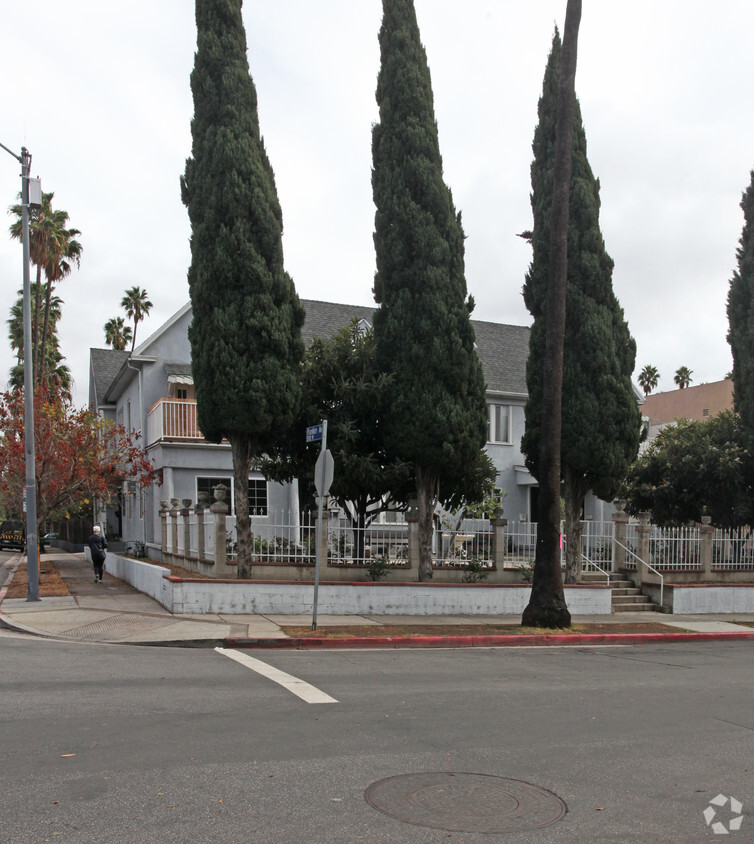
x: 17, y: 627
x: 501, y: 640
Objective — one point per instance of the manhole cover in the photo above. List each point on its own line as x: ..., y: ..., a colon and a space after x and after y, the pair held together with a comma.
x: 466, y: 802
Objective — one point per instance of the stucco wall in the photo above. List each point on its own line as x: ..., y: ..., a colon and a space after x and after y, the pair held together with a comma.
x: 246, y: 597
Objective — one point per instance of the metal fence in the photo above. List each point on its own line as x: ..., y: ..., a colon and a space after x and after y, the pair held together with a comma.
x: 676, y: 548
x: 288, y: 537
x: 733, y: 550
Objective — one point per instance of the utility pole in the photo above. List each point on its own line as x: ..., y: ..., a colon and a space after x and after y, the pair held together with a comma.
x: 31, y: 195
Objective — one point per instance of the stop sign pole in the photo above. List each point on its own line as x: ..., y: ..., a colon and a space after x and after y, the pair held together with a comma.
x: 323, y: 473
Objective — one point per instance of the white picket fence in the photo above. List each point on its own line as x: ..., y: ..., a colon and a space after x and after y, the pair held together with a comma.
x: 291, y: 538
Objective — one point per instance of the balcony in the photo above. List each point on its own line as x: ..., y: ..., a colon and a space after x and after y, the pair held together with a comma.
x: 173, y: 420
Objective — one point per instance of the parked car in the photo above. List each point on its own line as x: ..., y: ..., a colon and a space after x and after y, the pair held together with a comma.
x: 13, y: 534
x: 48, y: 536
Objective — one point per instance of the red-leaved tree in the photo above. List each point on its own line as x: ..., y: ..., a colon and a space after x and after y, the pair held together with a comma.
x: 79, y: 456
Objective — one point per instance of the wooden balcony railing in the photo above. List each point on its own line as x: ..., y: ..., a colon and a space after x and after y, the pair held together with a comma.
x: 171, y: 419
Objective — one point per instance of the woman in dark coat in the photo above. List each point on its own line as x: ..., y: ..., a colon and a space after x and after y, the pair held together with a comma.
x: 97, y: 545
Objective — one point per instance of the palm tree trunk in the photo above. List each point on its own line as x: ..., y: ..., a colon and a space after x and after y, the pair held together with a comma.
x: 547, y: 606
x: 35, y: 355
x: 45, y: 327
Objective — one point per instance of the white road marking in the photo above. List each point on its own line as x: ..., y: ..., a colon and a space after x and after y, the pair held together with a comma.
x: 300, y: 688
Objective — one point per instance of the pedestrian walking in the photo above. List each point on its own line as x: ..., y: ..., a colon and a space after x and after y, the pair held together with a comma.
x: 97, y: 545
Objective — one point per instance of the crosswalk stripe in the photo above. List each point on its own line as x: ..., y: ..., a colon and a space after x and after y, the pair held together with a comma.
x: 300, y: 688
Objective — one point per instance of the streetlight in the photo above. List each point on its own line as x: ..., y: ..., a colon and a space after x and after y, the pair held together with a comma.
x: 31, y: 197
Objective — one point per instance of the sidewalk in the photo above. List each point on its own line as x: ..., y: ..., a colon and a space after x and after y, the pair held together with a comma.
x: 114, y: 612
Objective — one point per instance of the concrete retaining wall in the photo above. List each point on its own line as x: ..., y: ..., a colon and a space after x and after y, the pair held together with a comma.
x: 146, y: 577
x: 286, y: 598
x: 710, y: 599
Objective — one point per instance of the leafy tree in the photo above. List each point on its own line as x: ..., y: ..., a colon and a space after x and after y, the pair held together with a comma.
x: 54, y: 251
x: 600, y: 417
x: 682, y: 377
x: 117, y: 333
x: 55, y: 374
x: 648, y: 379
x: 79, y: 455
x: 547, y: 605
x: 341, y: 383
x: 694, y: 466
x: 246, y: 344
x: 741, y: 314
x: 435, y: 414
x: 136, y: 304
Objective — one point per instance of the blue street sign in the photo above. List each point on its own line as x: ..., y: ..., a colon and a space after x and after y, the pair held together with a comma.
x: 314, y: 433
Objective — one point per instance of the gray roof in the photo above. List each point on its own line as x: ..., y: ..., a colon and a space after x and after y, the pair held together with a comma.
x: 502, y: 349
x: 324, y: 319
x: 105, y: 364
x: 178, y: 369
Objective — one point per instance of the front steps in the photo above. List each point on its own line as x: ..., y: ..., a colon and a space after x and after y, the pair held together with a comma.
x: 625, y: 597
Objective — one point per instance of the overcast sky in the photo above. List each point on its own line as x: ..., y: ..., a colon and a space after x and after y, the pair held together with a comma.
x: 99, y: 93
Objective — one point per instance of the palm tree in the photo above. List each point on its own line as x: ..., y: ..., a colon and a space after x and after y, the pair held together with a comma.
x: 648, y: 379
x: 117, y: 333
x: 54, y: 375
x: 53, y: 250
x: 682, y: 377
x: 137, y: 306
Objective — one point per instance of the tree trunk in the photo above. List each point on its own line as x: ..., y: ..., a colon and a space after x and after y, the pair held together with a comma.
x: 43, y: 341
x: 241, y: 450
x: 573, y: 493
x: 547, y: 606
x: 33, y: 354
x: 426, y: 495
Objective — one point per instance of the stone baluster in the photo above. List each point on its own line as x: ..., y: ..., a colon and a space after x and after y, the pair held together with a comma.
x: 620, y: 520
x: 201, y: 506
x: 164, y: 510
x: 498, y: 539
x: 412, y: 518
x: 707, y: 532
x: 186, y: 515
x: 220, y: 509
x: 174, y: 511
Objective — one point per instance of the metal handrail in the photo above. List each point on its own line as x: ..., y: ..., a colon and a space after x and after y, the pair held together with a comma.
x: 592, y: 563
x: 644, y: 562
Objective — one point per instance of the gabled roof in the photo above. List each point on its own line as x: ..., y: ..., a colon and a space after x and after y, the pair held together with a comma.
x: 324, y: 319
x: 105, y: 364
x: 502, y: 349
x: 142, y: 348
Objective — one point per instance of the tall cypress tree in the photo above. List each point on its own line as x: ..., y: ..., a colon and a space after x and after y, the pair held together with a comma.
x: 436, y: 415
x: 741, y: 315
x: 601, y: 420
x: 245, y: 335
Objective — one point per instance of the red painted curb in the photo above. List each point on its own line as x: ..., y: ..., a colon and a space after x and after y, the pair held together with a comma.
x: 543, y: 639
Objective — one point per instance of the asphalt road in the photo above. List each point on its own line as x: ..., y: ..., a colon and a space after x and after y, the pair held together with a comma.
x: 128, y: 744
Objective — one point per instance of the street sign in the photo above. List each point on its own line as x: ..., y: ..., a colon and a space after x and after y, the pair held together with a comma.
x: 314, y: 433
x: 323, y: 472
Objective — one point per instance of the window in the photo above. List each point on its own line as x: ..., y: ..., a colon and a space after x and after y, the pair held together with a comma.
x: 705, y: 412
x: 208, y: 484
x: 257, y: 493
x: 257, y: 497
x: 499, y: 423
x: 181, y: 393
